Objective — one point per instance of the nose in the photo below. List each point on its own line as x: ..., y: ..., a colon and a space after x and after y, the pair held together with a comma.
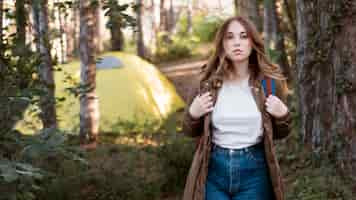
x: 237, y: 42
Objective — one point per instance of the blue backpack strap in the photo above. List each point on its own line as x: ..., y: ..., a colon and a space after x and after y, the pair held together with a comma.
x: 269, y: 86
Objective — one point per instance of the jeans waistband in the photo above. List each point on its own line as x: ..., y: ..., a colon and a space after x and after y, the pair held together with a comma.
x: 257, y: 146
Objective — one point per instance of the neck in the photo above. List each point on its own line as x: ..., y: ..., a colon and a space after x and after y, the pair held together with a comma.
x: 242, y: 70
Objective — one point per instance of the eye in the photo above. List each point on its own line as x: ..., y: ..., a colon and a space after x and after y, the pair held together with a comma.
x: 244, y: 36
x: 229, y: 36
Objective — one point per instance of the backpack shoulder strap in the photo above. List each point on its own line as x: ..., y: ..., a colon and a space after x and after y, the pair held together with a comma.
x: 269, y: 86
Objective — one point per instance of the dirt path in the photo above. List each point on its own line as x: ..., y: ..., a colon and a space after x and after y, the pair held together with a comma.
x: 184, y: 76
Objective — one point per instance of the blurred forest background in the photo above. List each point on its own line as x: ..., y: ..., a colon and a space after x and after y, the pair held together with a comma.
x: 92, y: 93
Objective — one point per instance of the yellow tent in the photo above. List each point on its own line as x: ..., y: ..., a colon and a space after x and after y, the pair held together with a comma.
x: 134, y: 91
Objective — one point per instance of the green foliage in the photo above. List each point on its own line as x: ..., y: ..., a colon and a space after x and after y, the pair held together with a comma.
x: 176, y: 48
x: 206, y: 26
x: 176, y: 156
x: 117, y: 15
x: 32, y: 161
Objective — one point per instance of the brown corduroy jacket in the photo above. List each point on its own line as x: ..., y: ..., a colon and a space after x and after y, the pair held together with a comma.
x: 274, y: 128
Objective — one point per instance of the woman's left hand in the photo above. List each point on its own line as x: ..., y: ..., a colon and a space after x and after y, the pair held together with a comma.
x: 275, y: 106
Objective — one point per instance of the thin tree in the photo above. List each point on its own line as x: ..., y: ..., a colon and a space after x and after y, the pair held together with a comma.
x: 89, y: 103
x: 60, y: 9
x: 115, y: 24
x: 2, y: 65
x: 249, y: 9
x: 1, y: 20
x: 326, y: 69
x: 20, y: 18
x: 189, y: 16
x: 274, y: 37
x: 290, y: 11
x: 139, y: 41
x: 47, y: 99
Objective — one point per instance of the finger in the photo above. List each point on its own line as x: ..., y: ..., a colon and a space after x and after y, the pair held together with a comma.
x: 208, y: 105
x: 269, y: 98
x: 267, y: 103
x: 206, y: 100
x: 210, y: 109
x: 205, y: 94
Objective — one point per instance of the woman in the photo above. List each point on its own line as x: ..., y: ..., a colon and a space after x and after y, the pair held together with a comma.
x: 235, y: 122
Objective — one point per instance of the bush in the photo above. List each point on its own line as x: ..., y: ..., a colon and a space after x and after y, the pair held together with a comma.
x: 206, y: 26
x: 174, y: 47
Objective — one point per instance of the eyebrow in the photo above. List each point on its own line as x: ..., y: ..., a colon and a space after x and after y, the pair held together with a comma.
x: 243, y: 32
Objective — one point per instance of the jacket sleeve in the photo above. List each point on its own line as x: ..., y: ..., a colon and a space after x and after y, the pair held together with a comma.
x: 192, y: 127
x: 282, y: 125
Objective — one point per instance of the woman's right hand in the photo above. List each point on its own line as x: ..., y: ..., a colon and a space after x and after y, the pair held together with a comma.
x: 201, y: 105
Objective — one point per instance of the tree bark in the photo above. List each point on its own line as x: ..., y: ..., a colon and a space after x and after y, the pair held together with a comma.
x: 139, y: 41
x: 162, y: 16
x: 326, y: 67
x: 61, y: 35
x: 99, y: 40
x: 291, y: 19
x: 2, y: 65
x: 75, y: 28
x: 89, y: 103
x: 189, y: 16
x: 20, y: 15
x: 117, y: 36
x: 274, y: 37
x: 1, y: 20
x: 171, y: 17
x: 70, y: 33
x: 47, y: 100
x: 249, y: 9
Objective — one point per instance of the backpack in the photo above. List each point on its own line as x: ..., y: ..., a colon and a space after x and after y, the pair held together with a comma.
x: 269, y: 86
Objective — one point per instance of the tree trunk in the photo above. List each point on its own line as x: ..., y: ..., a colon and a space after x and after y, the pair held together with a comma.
x: 274, y: 38
x: 171, y: 17
x: 249, y: 9
x: 162, y: 16
x: 2, y: 65
x: 75, y: 19
x: 117, y: 36
x: 47, y: 100
x: 89, y: 103
x: 189, y: 16
x: 69, y: 31
x: 1, y: 40
x: 99, y: 40
x: 140, y: 42
x: 326, y: 68
x: 270, y: 24
x: 291, y: 18
x: 154, y: 25
x: 20, y: 15
x: 61, y: 36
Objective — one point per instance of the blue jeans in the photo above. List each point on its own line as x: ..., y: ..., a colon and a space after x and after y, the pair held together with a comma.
x: 240, y: 174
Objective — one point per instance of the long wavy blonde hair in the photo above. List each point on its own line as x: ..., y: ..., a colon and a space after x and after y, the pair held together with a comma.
x: 218, y: 63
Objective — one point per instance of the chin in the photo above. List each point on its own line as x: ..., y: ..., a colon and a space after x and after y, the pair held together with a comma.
x: 239, y: 59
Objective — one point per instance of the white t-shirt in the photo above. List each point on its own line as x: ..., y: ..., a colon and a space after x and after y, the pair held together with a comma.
x: 236, y: 119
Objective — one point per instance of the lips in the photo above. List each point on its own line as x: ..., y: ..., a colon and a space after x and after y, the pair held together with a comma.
x: 237, y: 51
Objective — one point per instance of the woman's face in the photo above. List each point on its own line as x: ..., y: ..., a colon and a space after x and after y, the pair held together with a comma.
x: 236, y: 43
